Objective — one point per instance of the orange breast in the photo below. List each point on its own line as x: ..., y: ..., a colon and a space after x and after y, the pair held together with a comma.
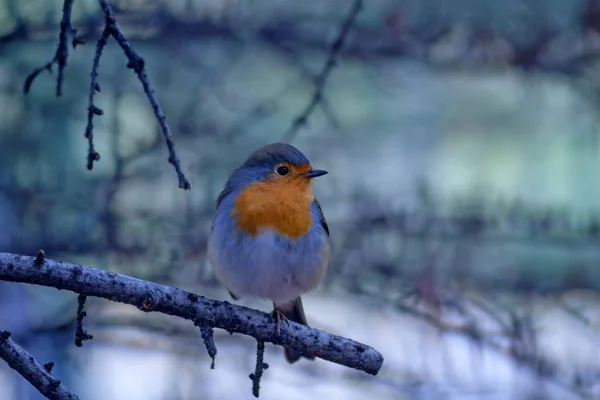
x: 282, y: 205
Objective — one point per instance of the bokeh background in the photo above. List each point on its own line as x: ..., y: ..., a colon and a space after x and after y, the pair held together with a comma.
x: 463, y: 195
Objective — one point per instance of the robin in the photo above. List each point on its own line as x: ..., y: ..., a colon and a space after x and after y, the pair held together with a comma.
x: 269, y: 238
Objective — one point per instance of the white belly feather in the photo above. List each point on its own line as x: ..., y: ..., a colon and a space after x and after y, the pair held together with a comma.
x: 269, y: 266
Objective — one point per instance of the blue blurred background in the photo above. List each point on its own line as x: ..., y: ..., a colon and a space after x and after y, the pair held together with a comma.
x: 463, y: 196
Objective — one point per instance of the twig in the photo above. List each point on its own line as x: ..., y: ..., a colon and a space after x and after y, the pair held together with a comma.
x: 62, y: 52
x: 151, y: 297
x: 321, y: 79
x: 137, y: 63
x: 111, y: 28
x: 81, y: 334
x: 260, y: 368
x: 37, y: 374
x: 209, y: 341
x: 542, y: 367
x: 294, y: 57
x: 486, y: 47
x: 92, y: 109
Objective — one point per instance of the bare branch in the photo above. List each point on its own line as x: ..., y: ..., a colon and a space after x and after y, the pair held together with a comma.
x: 81, y: 334
x: 321, y: 79
x: 209, y: 341
x: 111, y: 28
x: 398, y: 36
x: 37, y: 374
x: 148, y: 296
x: 62, y: 52
x: 92, y: 109
x: 499, y: 341
x: 137, y: 63
x: 261, y: 367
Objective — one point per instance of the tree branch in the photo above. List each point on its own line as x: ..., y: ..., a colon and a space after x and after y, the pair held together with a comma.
x: 207, y: 336
x: 94, y: 88
x: 260, y: 368
x: 137, y: 63
x: 111, y: 28
x: 321, y: 79
x: 81, y: 334
x: 37, y: 374
x: 62, y: 51
x: 148, y: 296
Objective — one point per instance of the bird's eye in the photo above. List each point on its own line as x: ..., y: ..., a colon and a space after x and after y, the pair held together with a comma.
x: 283, y: 170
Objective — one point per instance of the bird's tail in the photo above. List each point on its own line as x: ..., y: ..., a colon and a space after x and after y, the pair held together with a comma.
x: 294, y: 311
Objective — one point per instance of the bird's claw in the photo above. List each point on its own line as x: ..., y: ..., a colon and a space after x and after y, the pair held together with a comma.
x: 278, y: 316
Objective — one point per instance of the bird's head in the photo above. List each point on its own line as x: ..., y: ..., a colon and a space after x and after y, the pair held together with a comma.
x: 280, y: 165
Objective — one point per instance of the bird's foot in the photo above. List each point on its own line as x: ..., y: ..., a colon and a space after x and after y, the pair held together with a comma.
x: 278, y: 316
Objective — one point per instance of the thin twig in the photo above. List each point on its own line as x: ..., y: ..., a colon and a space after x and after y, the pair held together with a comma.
x: 209, y: 341
x: 321, y: 79
x: 92, y: 109
x: 111, y: 28
x: 307, y: 74
x: 81, y: 334
x: 539, y: 365
x: 137, y: 63
x: 260, y: 368
x: 37, y: 374
x: 152, y: 297
x: 62, y: 51
x: 486, y: 47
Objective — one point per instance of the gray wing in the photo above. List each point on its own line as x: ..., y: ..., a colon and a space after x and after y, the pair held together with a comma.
x: 322, y: 217
x: 224, y: 193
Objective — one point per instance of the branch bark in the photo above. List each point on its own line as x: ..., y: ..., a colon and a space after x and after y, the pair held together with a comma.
x: 152, y: 297
x: 37, y: 374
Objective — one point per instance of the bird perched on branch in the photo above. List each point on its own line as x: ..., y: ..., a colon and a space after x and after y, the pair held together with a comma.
x: 269, y: 238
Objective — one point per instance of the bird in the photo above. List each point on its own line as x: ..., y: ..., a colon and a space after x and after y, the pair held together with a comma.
x: 269, y: 238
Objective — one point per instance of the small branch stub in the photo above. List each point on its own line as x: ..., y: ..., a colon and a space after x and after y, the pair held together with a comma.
x: 81, y: 334
x: 148, y: 302
x: 260, y: 368
x: 48, y: 366
x: 40, y: 258
x: 208, y: 337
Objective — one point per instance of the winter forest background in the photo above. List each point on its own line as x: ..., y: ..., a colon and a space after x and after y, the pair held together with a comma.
x: 463, y: 196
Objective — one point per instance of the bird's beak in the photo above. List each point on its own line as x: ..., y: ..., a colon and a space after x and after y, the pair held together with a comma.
x: 313, y: 173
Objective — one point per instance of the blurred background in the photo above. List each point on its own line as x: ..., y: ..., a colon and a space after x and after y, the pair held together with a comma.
x: 462, y: 144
